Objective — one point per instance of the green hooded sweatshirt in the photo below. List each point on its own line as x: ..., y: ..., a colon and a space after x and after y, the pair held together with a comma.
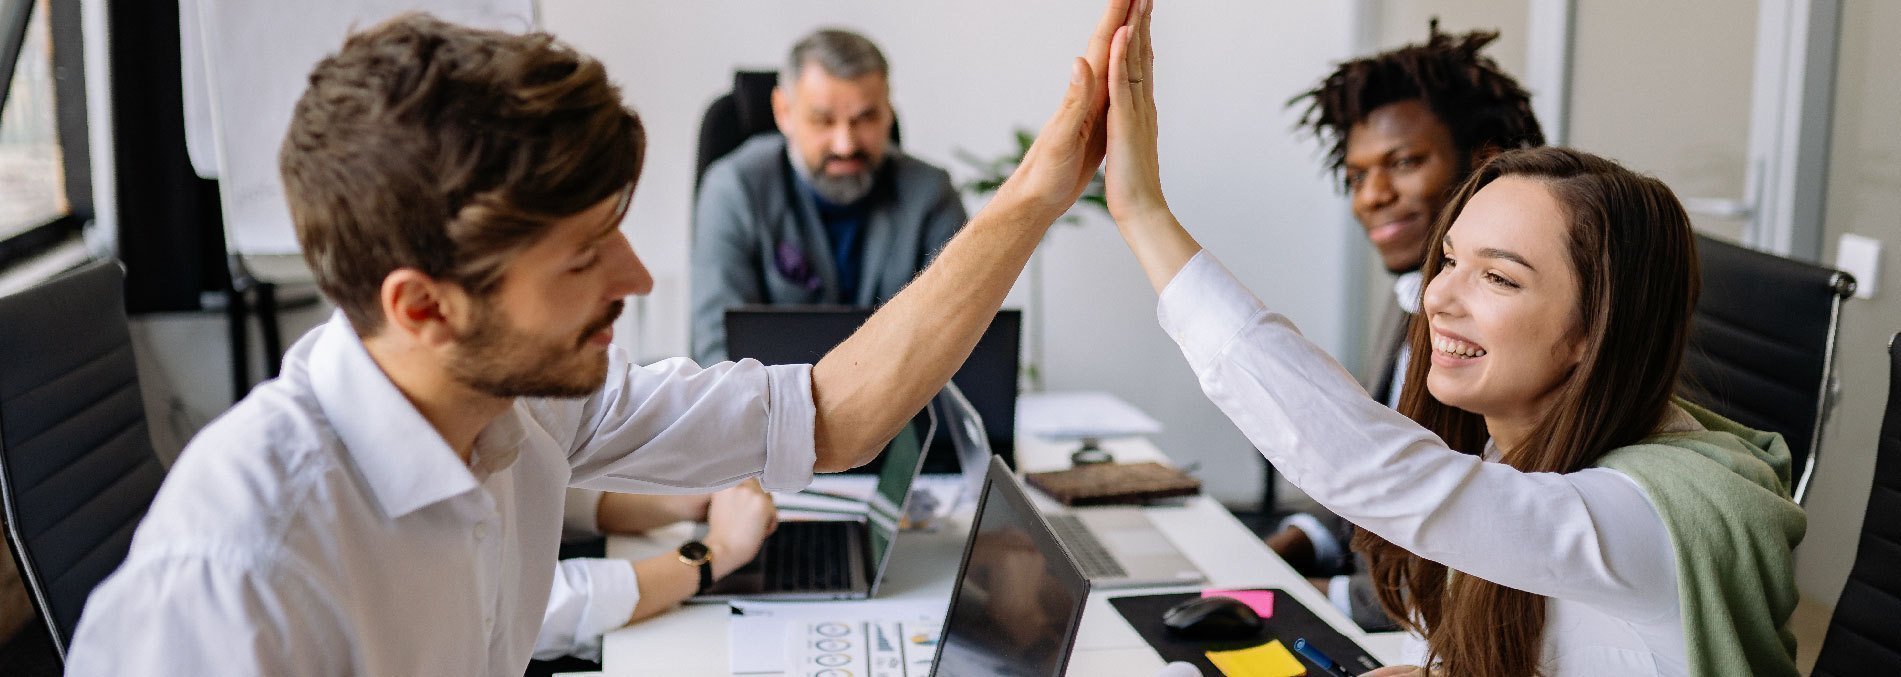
x: 1723, y: 493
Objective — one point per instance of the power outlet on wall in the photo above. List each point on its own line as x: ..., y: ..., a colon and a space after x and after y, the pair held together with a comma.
x: 1860, y: 256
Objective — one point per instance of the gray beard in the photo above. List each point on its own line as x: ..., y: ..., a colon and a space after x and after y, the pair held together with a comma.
x: 838, y: 190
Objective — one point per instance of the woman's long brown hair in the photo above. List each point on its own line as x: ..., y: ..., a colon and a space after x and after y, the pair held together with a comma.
x: 1635, y: 257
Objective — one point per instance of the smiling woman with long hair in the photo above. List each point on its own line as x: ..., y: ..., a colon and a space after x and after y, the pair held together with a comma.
x: 1540, y: 503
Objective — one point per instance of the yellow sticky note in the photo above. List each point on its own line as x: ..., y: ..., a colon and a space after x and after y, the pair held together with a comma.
x: 1267, y: 660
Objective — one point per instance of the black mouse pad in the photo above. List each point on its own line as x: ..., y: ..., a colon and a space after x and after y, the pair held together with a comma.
x: 1291, y: 621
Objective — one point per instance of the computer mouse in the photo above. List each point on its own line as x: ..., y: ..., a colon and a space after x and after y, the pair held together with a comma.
x: 1212, y: 618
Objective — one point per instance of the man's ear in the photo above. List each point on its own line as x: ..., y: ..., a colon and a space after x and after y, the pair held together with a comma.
x: 425, y: 310
x: 782, y: 107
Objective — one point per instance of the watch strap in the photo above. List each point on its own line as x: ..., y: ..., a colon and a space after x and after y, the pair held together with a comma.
x: 695, y: 553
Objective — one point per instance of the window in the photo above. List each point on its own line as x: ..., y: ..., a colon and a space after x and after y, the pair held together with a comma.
x: 32, y: 190
x: 36, y: 209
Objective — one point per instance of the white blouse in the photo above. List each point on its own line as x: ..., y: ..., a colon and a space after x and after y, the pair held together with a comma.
x: 1590, y: 541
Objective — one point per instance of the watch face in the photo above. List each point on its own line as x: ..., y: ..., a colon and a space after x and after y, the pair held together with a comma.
x: 694, y: 550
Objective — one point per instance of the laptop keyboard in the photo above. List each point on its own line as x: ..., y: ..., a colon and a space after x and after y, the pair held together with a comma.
x: 1095, y: 559
x: 807, y: 556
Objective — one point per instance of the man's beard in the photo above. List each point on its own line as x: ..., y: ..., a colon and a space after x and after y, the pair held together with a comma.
x: 841, y: 189
x: 502, y: 362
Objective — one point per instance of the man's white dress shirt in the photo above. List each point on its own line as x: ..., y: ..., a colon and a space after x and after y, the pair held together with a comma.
x: 323, y: 527
x: 1588, y: 540
x: 604, y: 582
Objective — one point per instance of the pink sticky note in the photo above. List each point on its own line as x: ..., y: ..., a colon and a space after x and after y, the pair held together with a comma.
x: 1262, y: 601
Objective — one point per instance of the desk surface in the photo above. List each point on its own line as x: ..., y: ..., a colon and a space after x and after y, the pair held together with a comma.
x: 693, y: 640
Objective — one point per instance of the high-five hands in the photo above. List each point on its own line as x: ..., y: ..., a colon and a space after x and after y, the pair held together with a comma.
x: 1133, y: 177
x: 1065, y: 155
x: 1108, y: 109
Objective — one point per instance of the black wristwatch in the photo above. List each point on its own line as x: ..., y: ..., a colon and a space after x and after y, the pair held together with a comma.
x: 695, y: 553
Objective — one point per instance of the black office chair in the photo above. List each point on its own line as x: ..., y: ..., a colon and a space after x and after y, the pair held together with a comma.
x: 1762, y: 345
x: 739, y: 115
x: 77, y: 470
x: 1863, y: 638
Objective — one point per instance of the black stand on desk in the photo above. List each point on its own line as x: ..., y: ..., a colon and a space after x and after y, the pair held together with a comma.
x: 1268, y: 491
x: 238, y: 310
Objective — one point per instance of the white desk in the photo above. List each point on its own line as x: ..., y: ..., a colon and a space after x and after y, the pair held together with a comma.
x: 693, y: 640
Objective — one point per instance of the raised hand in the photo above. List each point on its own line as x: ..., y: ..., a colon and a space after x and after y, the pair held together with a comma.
x: 1134, y: 179
x: 1067, y: 152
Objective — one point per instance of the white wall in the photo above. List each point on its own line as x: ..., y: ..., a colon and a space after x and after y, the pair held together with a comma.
x: 1403, y: 22
x: 1864, y: 197
x: 1664, y: 87
x: 964, y: 74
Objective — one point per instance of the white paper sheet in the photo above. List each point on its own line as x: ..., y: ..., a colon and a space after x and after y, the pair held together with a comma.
x: 937, y: 495
x: 805, y: 638
x: 872, y: 647
x: 1081, y: 413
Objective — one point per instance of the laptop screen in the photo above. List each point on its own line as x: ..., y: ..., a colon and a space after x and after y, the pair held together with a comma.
x: 903, y: 457
x: 803, y: 334
x: 1019, y: 596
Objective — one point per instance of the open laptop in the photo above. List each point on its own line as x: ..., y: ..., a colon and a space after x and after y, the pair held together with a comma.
x: 836, y: 559
x: 803, y: 334
x: 1019, y: 595
x: 1118, y: 547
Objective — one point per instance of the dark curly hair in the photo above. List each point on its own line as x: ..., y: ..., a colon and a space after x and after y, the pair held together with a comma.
x: 1477, y: 101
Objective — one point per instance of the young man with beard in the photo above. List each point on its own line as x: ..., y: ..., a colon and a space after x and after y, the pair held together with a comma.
x: 1404, y: 127
x: 391, y: 504
x: 825, y: 212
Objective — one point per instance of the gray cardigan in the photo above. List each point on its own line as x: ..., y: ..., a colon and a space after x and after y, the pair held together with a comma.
x: 757, y: 238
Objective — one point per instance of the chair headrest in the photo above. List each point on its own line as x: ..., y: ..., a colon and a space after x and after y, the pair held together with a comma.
x: 752, y: 97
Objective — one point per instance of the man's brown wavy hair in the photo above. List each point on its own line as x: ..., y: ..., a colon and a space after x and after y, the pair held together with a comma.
x: 427, y: 145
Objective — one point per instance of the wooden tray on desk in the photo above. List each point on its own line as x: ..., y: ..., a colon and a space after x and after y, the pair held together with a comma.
x: 1114, y: 483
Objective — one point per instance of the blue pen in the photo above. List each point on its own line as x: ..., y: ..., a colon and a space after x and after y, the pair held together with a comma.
x: 1319, y: 659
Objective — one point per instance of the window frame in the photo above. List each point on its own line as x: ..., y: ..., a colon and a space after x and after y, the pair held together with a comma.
x: 69, y: 111
x: 1790, y: 118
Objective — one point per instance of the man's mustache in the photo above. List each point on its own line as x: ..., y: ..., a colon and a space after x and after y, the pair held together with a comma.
x: 607, y: 320
x: 861, y: 157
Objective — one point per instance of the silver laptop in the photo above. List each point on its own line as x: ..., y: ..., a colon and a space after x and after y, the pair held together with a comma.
x: 1019, y: 597
x: 836, y: 559
x: 1117, y: 547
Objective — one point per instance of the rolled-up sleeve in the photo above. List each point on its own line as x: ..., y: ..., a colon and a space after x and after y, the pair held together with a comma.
x: 676, y: 427
x: 790, y: 450
x: 590, y: 597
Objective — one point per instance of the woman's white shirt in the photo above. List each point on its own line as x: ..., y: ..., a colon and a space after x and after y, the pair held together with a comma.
x: 1590, y: 540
